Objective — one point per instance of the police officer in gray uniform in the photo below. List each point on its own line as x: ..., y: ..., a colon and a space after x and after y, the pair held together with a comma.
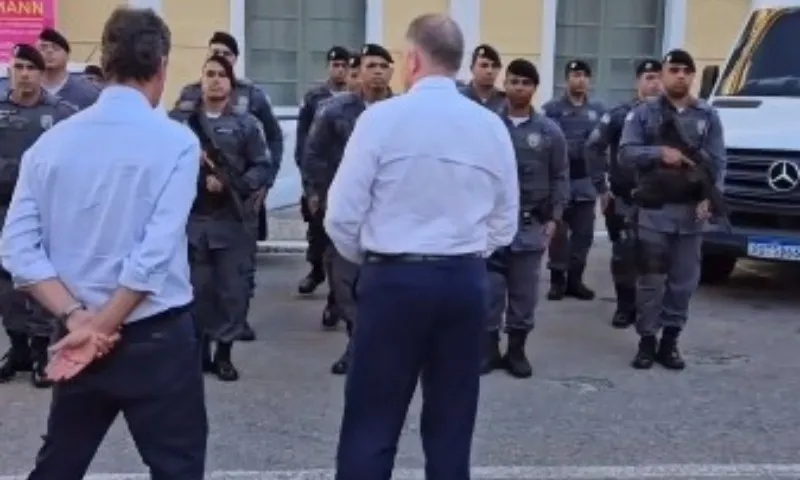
x: 327, y: 138
x: 219, y: 242
x: 26, y: 112
x: 75, y: 90
x: 673, y: 203
x: 245, y: 97
x: 618, y: 207
x: 338, y: 60
x: 485, y: 67
x: 541, y: 152
x: 577, y: 116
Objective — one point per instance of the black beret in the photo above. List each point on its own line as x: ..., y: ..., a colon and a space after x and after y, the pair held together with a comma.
x: 338, y: 53
x: 649, y: 65
x: 24, y: 51
x: 355, y: 60
x: 578, y: 66
x: 486, y: 51
x: 225, y: 64
x: 226, y: 39
x: 523, y: 68
x: 680, y: 57
x: 375, y: 50
x: 93, y: 70
x: 52, y: 36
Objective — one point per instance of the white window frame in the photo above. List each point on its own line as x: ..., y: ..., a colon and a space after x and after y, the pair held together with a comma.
x: 373, y: 29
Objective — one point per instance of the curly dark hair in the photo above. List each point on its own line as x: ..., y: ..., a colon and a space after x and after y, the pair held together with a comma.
x: 134, y: 44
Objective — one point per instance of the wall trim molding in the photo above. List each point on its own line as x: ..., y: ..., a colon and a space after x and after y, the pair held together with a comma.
x: 468, y: 14
x: 373, y: 20
x: 236, y: 27
x: 675, y: 15
x: 547, y: 56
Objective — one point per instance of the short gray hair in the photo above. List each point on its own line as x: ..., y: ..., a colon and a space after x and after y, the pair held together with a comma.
x: 440, y: 37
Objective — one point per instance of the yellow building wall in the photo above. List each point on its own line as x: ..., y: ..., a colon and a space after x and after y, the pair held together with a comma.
x: 190, y: 34
x: 397, y: 14
x: 712, y: 27
x: 514, y: 30
x: 82, y: 21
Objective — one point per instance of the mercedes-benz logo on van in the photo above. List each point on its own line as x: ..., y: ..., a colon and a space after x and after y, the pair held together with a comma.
x: 783, y: 176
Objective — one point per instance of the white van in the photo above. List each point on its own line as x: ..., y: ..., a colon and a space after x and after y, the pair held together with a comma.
x: 757, y: 95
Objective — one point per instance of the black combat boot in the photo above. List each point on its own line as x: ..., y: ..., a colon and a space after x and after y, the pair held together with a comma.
x: 39, y: 362
x: 311, y: 281
x: 646, y: 355
x: 223, y: 367
x: 17, y: 359
x: 330, y: 319
x: 205, y: 352
x: 558, y: 285
x: 248, y: 334
x: 515, y: 361
x: 491, y: 359
x: 341, y: 365
x: 576, y: 287
x: 668, y: 355
x: 625, y: 315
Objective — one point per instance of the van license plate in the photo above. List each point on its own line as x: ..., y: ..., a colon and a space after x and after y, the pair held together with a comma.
x: 773, y: 249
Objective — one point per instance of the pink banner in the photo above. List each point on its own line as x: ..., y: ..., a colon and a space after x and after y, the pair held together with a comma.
x: 22, y: 20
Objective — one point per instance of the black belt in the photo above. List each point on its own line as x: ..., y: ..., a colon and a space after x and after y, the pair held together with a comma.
x: 374, y: 257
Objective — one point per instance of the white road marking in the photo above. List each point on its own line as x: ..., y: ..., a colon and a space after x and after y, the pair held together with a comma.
x: 750, y: 471
x: 299, y: 246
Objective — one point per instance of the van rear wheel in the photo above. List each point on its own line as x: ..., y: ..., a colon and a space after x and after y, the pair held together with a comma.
x: 716, y: 269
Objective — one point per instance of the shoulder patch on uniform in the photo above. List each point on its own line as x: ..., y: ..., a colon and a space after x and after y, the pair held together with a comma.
x: 630, y: 116
x: 243, y: 81
x: 605, y: 118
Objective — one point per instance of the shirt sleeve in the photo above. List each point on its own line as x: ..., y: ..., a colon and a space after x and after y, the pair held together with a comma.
x: 21, y: 247
x: 503, y: 221
x: 145, y: 269
x: 349, y: 196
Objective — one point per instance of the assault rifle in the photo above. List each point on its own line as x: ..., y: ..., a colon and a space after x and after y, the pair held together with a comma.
x: 698, y: 162
x: 215, y: 160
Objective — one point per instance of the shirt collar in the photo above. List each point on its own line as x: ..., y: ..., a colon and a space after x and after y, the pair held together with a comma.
x: 434, y: 82
x: 124, y: 94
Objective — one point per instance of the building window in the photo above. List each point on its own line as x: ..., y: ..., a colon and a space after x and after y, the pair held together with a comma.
x: 287, y: 41
x: 612, y: 36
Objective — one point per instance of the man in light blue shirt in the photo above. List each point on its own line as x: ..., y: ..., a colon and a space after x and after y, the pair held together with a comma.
x: 426, y: 188
x: 97, y: 234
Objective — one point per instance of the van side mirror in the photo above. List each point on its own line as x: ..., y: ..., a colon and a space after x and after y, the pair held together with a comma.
x: 708, y: 80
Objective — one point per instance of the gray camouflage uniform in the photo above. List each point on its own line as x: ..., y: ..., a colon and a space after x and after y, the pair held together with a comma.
x: 602, y: 146
x: 541, y: 152
x: 323, y: 153
x: 78, y: 92
x: 572, y: 241
x: 219, y: 244
x: 20, y: 127
x: 669, y: 238
x: 246, y: 97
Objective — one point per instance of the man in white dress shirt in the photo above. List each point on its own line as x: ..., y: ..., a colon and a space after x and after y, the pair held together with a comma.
x: 427, y: 187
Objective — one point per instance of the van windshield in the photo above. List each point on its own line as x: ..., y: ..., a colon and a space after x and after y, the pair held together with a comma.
x: 766, y: 60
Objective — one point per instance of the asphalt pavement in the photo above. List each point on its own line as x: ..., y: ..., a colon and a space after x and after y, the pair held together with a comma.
x: 734, y: 413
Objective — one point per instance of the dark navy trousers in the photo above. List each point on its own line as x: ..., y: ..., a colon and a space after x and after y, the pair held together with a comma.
x: 416, y: 321
x: 154, y: 378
